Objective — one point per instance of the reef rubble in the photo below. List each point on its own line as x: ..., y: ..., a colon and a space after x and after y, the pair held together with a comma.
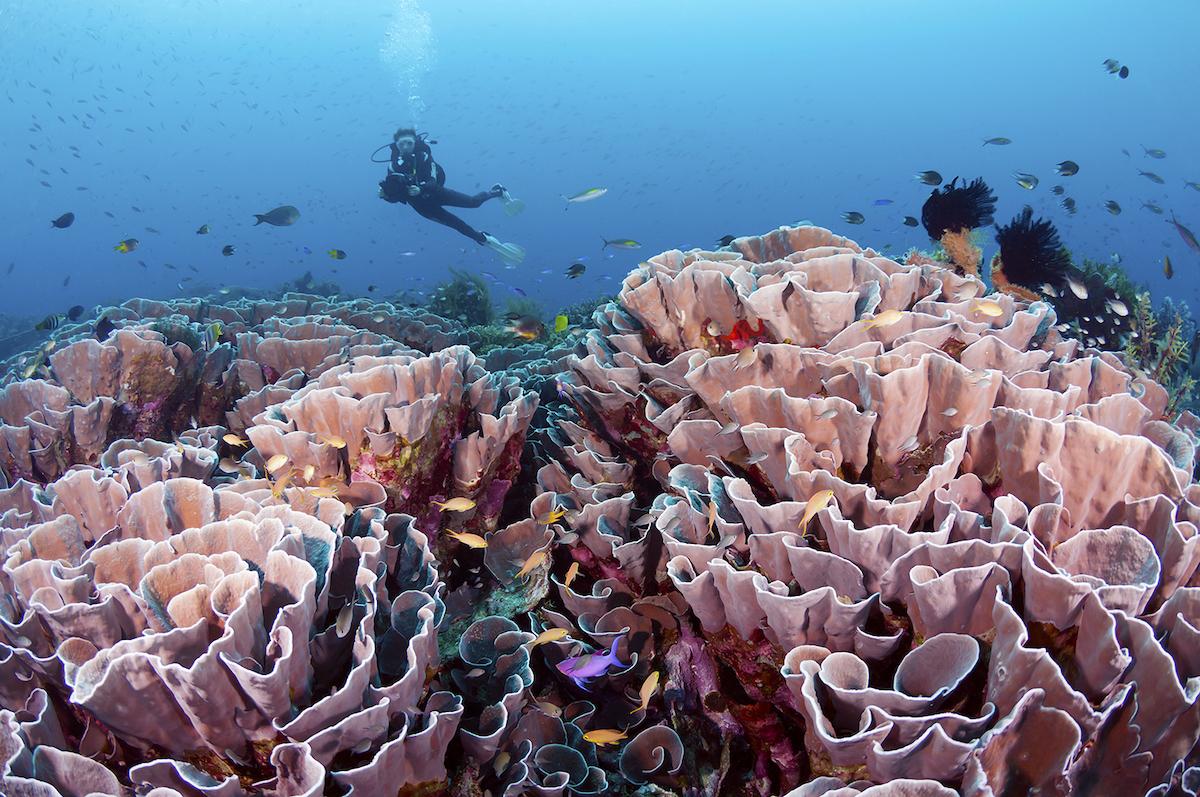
x: 787, y: 518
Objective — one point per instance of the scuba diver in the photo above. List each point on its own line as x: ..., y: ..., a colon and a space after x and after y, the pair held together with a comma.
x: 417, y: 180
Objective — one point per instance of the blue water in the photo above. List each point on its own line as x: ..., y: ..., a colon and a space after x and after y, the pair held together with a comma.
x: 701, y: 118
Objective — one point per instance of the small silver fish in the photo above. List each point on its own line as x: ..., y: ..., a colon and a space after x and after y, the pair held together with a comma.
x: 1077, y: 287
x: 345, y: 616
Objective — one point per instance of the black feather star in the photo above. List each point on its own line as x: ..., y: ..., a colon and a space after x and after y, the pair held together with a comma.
x: 952, y: 208
x: 1031, y: 253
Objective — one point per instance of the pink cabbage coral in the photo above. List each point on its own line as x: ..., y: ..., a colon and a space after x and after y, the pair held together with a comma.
x: 872, y: 531
x: 950, y: 445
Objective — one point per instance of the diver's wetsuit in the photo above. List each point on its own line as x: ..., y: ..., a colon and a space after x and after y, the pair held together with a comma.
x: 420, y: 169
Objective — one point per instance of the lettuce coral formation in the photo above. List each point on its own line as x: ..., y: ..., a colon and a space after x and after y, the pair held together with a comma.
x: 814, y: 522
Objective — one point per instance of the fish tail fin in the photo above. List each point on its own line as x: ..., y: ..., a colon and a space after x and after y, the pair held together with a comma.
x: 612, y: 652
x: 606, y: 242
x: 258, y: 219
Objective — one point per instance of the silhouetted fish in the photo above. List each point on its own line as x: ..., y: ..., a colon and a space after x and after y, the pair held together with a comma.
x: 282, y: 216
x: 104, y: 327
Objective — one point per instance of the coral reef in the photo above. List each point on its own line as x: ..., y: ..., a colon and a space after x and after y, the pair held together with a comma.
x: 1031, y: 255
x: 1162, y: 344
x: 951, y: 213
x: 465, y: 297
x: 791, y: 518
x: 890, y: 468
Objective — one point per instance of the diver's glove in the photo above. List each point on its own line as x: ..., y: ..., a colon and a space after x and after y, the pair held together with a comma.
x: 512, y: 205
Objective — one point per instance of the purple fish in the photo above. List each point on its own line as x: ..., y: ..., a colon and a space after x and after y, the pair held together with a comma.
x: 882, y: 202
x: 517, y: 290
x: 591, y: 665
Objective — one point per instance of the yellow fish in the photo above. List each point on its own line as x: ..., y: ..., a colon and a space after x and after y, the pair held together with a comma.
x: 560, y: 323
x: 459, y: 504
x: 649, y: 687
x: 324, y: 492
x: 988, y: 308
x: 712, y: 515
x: 535, y: 559
x: 278, y: 487
x: 468, y: 539
x: 33, y: 366
x: 572, y: 571
x: 332, y: 440
x: 276, y: 462
x: 604, y: 736
x: 815, y: 504
x: 235, y: 440
x: 554, y: 516
x: 885, y: 319
x: 549, y: 635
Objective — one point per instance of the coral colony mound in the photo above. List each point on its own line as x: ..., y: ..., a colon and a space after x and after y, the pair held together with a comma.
x: 789, y: 518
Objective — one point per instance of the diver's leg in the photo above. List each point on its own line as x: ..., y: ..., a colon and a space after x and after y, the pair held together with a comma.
x: 457, y: 199
x: 442, y: 216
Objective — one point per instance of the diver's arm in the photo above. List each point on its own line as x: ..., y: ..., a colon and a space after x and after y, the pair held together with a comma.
x: 426, y: 171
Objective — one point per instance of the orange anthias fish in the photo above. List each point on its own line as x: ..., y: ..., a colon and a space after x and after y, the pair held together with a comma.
x: 883, y: 319
x: 459, y: 504
x: 527, y: 327
x: 604, y: 736
x: 815, y: 504
x: 987, y: 307
x: 468, y: 539
x: 553, y: 516
x: 649, y: 687
x: 535, y: 559
x: 549, y: 635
